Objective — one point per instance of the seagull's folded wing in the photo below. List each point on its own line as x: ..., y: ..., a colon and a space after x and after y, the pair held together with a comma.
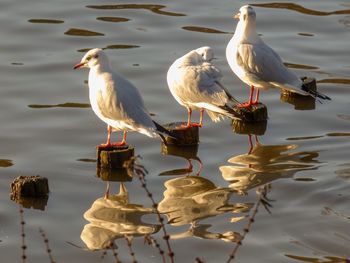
x: 199, y: 84
x: 121, y: 101
x: 264, y: 66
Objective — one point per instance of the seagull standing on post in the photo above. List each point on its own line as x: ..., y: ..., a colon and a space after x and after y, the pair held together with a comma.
x: 115, y: 100
x: 195, y: 84
x: 258, y: 65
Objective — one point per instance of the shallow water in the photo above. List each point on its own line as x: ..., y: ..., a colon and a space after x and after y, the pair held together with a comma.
x: 48, y: 129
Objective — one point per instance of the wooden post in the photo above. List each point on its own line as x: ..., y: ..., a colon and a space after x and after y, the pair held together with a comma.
x: 255, y: 113
x: 301, y: 102
x: 114, y: 157
x: 30, y: 191
x: 185, y: 137
x: 242, y: 127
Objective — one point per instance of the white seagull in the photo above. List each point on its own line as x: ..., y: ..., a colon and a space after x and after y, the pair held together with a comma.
x: 195, y: 83
x: 258, y: 65
x: 115, y: 100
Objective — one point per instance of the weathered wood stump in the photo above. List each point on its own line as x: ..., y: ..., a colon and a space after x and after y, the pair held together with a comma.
x: 185, y: 136
x: 242, y: 127
x: 301, y: 102
x: 114, y: 157
x: 30, y: 191
x: 30, y: 186
x: 255, y: 113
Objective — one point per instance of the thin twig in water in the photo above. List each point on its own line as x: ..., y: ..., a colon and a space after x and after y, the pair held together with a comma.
x: 198, y: 260
x: 132, y: 253
x: 46, y: 241
x: 114, y: 248
x: 153, y: 242
x: 134, y: 167
x: 23, y: 247
x: 262, y: 192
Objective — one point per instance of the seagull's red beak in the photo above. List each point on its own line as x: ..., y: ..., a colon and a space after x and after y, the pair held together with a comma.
x: 236, y: 16
x: 79, y: 65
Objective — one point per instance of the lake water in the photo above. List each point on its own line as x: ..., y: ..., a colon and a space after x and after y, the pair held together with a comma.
x: 47, y: 129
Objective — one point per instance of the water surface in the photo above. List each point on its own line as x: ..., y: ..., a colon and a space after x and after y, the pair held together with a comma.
x: 47, y: 128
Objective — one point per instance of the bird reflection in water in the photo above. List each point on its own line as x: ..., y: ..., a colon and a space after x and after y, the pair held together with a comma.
x: 190, y: 199
x: 114, y: 217
x: 266, y: 163
x: 189, y: 153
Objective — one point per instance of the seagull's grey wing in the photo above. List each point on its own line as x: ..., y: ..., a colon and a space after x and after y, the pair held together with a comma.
x: 262, y: 63
x: 121, y: 101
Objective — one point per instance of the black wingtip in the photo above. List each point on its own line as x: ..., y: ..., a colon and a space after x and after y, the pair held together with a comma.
x: 161, y: 131
x: 314, y: 93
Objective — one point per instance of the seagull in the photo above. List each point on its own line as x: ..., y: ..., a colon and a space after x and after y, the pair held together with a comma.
x: 115, y: 100
x: 258, y: 65
x: 195, y: 84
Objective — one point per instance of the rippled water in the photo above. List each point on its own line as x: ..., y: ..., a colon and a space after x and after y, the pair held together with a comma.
x: 48, y: 129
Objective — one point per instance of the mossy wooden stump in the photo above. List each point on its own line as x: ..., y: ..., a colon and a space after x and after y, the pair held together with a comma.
x: 184, y: 136
x: 255, y: 128
x: 29, y: 186
x: 114, y: 157
x: 301, y: 102
x: 30, y: 191
x: 255, y: 113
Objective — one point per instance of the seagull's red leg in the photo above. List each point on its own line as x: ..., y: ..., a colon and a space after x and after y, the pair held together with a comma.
x: 108, y: 142
x: 250, y: 102
x: 193, y: 124
x: 107, y: 191
x: 200, y: 124
x: 189, y: 124
x: 256, y: 101
x: 190, y: 166
x: 201, y: 118
x: 123, y: 142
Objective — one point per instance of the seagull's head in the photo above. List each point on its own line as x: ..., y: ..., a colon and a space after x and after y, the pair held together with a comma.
x: 92, y: 58
x: 206, y: 53
x: 246, y: 14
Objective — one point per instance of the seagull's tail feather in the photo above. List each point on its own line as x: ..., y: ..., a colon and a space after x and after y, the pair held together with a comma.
x: 161, y: 131
x: 230, y: 97
x: 214, y: 116
x: 290, y: 88
x: 315, y: 94
x: 229, y: 112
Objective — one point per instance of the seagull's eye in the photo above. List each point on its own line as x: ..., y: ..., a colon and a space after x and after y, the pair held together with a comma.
x: 96, y: 56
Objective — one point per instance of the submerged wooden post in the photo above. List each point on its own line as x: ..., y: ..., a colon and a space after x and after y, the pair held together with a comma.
x: 255, y: 113
x: 301, y: 102
x: 184, y: 136
x: 30, y: 191
x: 114, y: 157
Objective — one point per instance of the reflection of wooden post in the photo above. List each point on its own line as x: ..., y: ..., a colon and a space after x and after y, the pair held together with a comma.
x: 113, y: 175
x: 241, y: 127
x: 114, y: 157
x: 255, y: 113
x: 301, y: 102
x: 189, y: 136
